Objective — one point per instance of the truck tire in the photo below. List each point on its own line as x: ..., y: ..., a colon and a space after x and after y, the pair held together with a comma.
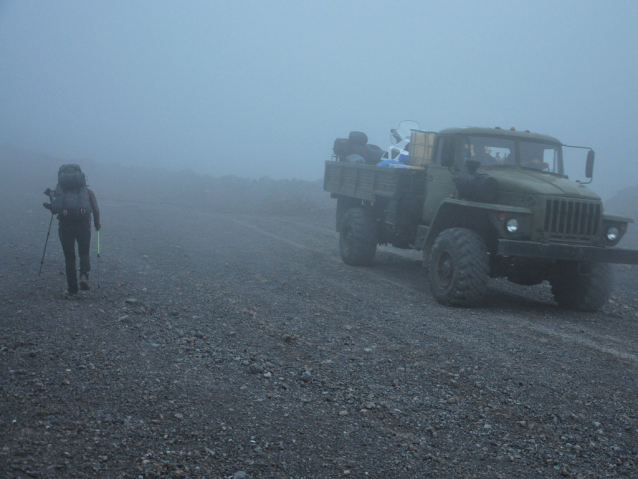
x: 358, y: 237
x: 345, y: 203
x: 459, y: 268
x: 583, y: 292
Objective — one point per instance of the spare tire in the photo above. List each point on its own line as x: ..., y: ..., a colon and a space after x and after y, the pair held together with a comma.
x: 358, y: 138
x: 374, y: 154
x: 370, y: 153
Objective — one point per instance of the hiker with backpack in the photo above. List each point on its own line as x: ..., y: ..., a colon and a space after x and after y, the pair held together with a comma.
x: 74, y: 203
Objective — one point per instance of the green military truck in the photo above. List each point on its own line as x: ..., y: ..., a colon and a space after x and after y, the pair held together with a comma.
x: 483, y: 203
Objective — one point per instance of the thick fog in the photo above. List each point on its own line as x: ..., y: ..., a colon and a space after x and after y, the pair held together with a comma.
x: 263, y: 88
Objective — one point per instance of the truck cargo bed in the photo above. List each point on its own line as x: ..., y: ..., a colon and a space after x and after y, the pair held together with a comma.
x: 366, y: 182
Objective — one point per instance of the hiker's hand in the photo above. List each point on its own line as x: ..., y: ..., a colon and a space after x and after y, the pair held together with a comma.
x: 47, y: 205
x: 98, y: 226
x: 47, y: 192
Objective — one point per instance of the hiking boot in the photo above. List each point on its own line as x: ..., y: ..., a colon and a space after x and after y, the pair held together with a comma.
x: 84, y: 282
x: 69, y: 295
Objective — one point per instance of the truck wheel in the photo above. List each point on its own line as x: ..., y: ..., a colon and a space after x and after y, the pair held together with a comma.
x: 459, y: 268
x: 358, y: 237
x: 583, y: 292
x: 344, y: 203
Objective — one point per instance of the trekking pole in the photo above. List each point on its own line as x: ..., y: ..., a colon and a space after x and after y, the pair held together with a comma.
x: 98, y: 259
x: 45, y: 244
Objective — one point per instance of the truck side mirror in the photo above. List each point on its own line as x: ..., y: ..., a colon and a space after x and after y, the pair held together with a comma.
x: 589, y: 168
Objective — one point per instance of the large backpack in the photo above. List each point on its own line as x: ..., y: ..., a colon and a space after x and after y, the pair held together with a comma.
x: 70, y: 200
x: 341, y: 148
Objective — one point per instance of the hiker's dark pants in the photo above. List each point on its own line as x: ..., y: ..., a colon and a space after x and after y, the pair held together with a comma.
x: 70, y: 233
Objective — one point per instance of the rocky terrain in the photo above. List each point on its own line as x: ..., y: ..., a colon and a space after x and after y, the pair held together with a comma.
x: 227, y: 339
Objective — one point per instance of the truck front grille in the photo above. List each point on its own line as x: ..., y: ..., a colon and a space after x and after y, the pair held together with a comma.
x: 572, y: 219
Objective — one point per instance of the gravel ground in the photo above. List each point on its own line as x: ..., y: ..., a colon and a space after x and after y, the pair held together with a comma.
x: 241, y: 346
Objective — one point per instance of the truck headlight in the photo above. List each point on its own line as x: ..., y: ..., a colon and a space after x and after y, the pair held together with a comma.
x: 512, y: 225
x: 612, y: 234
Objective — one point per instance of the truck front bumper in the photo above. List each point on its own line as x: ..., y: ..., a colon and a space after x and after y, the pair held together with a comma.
x: 593, y: 254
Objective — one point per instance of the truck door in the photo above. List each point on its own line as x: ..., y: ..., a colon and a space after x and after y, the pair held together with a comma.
x: 438, y: 183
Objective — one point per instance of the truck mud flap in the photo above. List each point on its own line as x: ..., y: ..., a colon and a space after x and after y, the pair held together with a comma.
x: 421, y: 235
x: 531, y: 249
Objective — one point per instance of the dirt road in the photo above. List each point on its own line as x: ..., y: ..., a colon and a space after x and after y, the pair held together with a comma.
x: 241, y: 346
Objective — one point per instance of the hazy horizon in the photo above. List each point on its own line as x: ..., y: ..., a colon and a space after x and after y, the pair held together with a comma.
x: 262, y: 89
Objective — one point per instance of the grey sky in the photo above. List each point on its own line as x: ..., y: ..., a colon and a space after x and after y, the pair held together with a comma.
x: 263, y: 88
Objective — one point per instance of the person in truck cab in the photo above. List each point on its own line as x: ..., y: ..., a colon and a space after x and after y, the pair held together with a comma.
x: 535, y: 164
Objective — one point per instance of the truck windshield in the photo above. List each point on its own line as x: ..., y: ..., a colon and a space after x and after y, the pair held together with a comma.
x: 489, y: 151
x: 494, y: 151
x: 541, y: 156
